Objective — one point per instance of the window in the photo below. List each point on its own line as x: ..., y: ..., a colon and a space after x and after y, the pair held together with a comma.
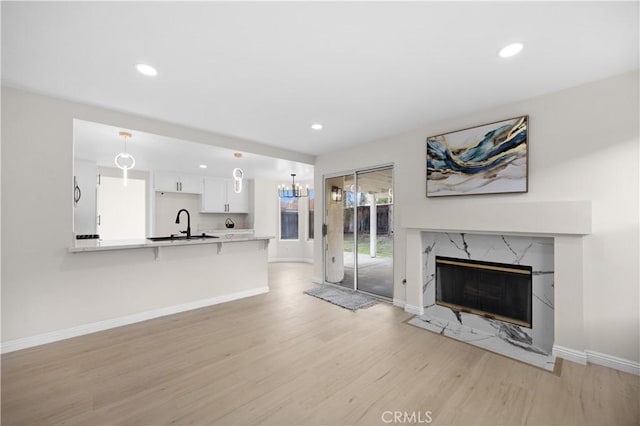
x: 311, y: 213
x: 288, y: 218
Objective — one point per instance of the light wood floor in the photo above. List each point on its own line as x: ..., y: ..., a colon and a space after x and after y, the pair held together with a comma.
x: 288, y: 358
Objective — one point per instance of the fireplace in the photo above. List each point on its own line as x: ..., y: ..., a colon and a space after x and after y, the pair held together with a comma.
x: 525, y: 335
x: 493, y: 290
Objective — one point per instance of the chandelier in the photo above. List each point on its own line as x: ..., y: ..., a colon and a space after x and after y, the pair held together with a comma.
x: 294, y: 191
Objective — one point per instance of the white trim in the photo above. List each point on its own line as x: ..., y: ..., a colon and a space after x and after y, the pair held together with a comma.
x: 616, y: 363
x: 416, y: 310
x: 317, y: 280
x: 569, y: 354
x: 290, y: 259
x: 80, y: 330
x: 399, y: 303
x: 593, y: 357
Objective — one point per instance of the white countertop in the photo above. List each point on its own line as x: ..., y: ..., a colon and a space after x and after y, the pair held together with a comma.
x: 228, y: 231
x: 100, y: 245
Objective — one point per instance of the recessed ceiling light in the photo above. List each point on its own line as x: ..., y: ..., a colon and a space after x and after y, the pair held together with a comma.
x: 316, y: 126
x: 510, y: 50
x: 203, y: 166
x: 146, y: 70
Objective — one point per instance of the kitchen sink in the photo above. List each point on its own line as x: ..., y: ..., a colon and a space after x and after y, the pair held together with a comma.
x: 181, y: 237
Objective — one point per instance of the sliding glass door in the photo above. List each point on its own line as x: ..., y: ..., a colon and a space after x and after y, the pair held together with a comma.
x: 374, y: 232
x: 359, y: 231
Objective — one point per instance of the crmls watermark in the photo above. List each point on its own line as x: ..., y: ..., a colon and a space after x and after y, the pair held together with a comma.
x: 411, y: 417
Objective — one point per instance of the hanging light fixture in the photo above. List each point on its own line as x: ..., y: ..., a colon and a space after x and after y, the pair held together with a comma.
x: 295, y: 191
x: 238, y: 174
x: 124, y: 160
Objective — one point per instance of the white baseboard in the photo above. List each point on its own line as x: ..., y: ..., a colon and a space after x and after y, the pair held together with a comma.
x: 616, y: 363
x: 592, y: 357
x: 579, y: 357
x: 416, y: 310
x: 317, y: 280
x: 290, y: 259
x: 54, y: 336
x: 399, y: 303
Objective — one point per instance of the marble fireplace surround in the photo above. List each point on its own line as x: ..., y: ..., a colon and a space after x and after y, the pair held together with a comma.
x: 566, y: 222
x: 533, y: 344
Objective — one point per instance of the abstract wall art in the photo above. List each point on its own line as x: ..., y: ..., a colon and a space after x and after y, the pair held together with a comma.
x: 487, y: 159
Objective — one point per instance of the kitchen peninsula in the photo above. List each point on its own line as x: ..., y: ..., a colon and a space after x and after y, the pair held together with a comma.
x: 224, y: 238
x: 130, y: 281
x: 224, y: 268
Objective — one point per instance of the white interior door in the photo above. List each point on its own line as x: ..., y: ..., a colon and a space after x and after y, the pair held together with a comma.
x: 121, y: 209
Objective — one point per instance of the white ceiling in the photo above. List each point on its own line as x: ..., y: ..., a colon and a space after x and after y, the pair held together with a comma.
x: 100, y: 143
x: 266, y: 71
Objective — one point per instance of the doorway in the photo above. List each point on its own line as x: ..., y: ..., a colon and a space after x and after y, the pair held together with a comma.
x: 359, y: 231
x: 121, y: 209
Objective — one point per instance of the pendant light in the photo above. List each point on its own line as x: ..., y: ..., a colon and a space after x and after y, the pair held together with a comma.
x: 124, y: 160
x: 238, y: 174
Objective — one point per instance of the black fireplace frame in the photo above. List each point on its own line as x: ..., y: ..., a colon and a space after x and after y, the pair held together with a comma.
x: 477, y: 264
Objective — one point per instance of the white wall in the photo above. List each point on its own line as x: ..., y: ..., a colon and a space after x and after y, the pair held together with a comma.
x: 45, y: 288
x: 583, y: 145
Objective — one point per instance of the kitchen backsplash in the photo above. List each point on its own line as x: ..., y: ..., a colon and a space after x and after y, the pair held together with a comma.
x: 168, y: 204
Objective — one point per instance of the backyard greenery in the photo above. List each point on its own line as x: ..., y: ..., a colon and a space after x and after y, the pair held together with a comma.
x: 384, y: 249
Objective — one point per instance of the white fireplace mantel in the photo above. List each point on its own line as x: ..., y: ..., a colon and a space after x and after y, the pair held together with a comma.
x: 567, y: 222
x: 546, y: 218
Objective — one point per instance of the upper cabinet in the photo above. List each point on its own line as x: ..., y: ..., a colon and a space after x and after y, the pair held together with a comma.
x: 191, y: 184
x: 237, y: 203
x: 214, y: 196
x: 176, y: 182
x: 219, y: 197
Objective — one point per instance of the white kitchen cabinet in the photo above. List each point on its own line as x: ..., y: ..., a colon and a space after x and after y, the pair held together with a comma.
x: 191, y: 184
x: 214, y: 196
x: 177, y: 182
x: 237, y: 203
x: 218, y: 196
x: 84, y: 190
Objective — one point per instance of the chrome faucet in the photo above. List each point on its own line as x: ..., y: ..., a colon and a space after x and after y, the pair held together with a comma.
x: 188, y: 231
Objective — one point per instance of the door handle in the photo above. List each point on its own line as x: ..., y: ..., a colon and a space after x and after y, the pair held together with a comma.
x: 77, y: 194
x: 76, y: 191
